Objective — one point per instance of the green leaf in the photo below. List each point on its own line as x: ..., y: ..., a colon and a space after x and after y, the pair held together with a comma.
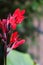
x: 35, y: 5
x: 17, y: 58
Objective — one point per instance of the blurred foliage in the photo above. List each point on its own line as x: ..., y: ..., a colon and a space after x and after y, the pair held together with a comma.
x: 32, y: 7
x: 17, y: 58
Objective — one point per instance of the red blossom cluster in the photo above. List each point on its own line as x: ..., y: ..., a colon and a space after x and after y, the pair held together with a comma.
x: 8, y: 25
x: 16, y: 18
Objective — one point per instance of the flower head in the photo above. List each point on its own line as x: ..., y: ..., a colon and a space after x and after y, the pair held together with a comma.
x: 17, y: 44
x: 19, y: 15
x: 14, y: 37
x: 15, y: 40
x: 16, y: 18
x: 8, y: 26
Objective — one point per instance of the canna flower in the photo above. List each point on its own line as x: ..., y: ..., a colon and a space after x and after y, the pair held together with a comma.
x: 13, y: 37
x: 10, y: 24
x: 17, y: 44
x: 16, y: 18
x: 19, y: 15
x: 2, y: 26
x: 15, y: 40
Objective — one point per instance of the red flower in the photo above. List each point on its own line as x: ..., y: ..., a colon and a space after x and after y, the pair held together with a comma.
x: 4, y: 21
x: 14, y: 37
x: 19, y: 15
x: 15, y: 40
x: 19, y: 19
x: 9, y: 24
x: 18, y: 12
x: 16, y: 18
x: 13, y: 26
x: 2, y: 26
x: 12, y: 22
x: 17, y: 44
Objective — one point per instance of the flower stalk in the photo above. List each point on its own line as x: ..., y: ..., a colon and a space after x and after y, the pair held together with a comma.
x: 8, y: 26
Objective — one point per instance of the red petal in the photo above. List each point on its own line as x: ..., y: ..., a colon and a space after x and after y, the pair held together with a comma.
x: 12, y: 20
x: 18, y: 44
x: 4, y: 21
x: 13, y: 37
x: 16, y: 12
x: 0, y: 24
x: 3, y: 27
x: 13, y: 26
x: 19, y: 19
x: 22, y: 12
